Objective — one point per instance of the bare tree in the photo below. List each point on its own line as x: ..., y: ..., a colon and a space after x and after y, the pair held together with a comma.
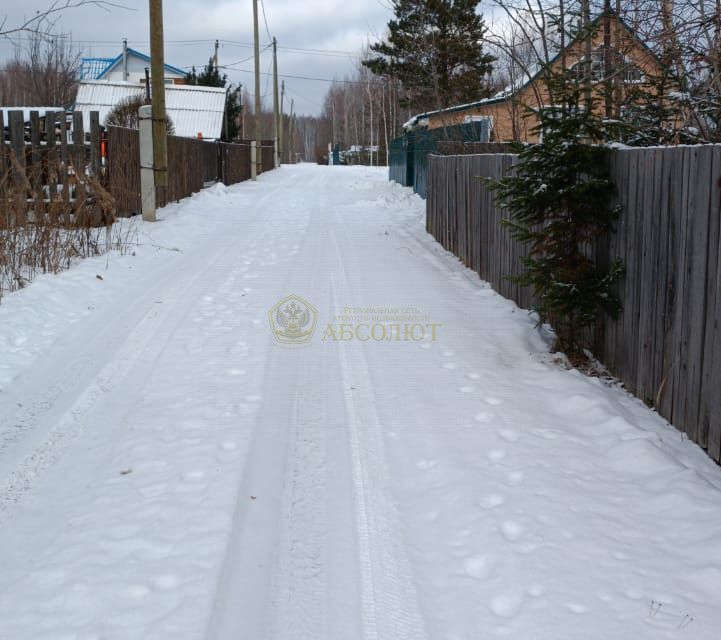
x: 44, y: 71
x: 50, y: 14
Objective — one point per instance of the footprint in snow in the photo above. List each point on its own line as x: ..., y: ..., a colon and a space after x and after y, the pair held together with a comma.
x: 492, y: 500
x: 493, y: 401
x: 483, y: 417
x: 547, y: 434
x: 511, y: 530
x: 496, y: 454
x: 449, y: 365
x: 506, y: 605
x: 425, y: 465
x: 535, y: 590
x: 194, y: 476
x: 165, y: 582
x: 478, y: 567
x: 509, y: 435
x: 515, y: 478
x: 467, y: 389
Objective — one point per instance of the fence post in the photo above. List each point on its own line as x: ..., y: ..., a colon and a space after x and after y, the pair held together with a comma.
x: 147, y: 173
x: 253, y: 160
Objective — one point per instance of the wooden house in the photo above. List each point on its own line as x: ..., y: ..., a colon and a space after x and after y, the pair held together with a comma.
x: 510, y: 112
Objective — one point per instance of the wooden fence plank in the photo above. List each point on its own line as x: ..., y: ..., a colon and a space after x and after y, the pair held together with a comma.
x: 667, y: 344
x: 680, y: 218
x: 4, y: 166
x: 697, y: 258
x: 17, y: 146
x: 713, y: 353
x: 710, y: 395
x: 660, y: 279
x: 95, y: 143
x: 35, y: 170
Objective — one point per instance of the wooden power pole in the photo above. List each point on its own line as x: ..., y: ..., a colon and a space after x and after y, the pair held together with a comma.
x: 281, y: 148
x: 256, y: 44
x: 276, y: 106
x: 160, y: 131
x: 291, y: 155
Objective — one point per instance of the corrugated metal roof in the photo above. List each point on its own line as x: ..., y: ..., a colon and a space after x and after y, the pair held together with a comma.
x: 144, y: 57
x: 93, y: 68
x: 192, y: 109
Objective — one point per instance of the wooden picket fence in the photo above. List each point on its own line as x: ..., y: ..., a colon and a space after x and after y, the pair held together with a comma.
x: 52, y: 160
x: 49, y: 166
x: 666, y: 345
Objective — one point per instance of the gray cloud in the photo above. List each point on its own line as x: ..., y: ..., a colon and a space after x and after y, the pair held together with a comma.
x: 337, y: 25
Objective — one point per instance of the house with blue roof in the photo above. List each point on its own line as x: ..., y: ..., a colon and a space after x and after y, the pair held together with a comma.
x: 129, y: 66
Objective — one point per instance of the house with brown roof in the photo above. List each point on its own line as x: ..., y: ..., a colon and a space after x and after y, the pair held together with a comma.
x: 510, y: 112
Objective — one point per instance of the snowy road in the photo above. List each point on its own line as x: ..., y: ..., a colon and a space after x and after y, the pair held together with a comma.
x: 169, y: 470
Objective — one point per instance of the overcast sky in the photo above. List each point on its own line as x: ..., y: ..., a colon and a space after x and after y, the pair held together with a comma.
x: 335, y: 31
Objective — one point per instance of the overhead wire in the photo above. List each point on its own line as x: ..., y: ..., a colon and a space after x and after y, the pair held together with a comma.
x: 265, y: 20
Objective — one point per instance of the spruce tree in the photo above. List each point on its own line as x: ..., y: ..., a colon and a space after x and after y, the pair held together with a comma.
x: 210, y: 76
x: 559, y: 197
x: 435, y: 49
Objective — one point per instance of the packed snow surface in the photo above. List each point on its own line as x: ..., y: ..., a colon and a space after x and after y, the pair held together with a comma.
x: 169, y: 470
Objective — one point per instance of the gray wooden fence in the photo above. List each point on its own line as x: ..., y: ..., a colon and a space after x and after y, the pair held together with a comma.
x: 666, y: 345
x: 191, y: 165
x: 46, y: 160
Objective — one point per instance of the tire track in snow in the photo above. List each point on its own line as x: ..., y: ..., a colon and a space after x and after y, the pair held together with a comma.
x: 143, y: 344
x: 274, y: 581
x: 388, y: 596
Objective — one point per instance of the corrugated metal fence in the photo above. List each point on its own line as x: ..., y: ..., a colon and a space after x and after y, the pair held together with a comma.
x: 666, y: 345
x: 408, y: 154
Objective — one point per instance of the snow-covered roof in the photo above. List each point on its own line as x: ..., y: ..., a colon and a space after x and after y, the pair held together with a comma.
x: 192, y: 109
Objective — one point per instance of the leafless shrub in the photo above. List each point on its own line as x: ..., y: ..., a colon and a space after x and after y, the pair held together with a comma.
x: 125, y: 114
x: 47, y: 230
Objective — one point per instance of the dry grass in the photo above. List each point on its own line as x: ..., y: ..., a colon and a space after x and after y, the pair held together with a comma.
x: 45, y: 229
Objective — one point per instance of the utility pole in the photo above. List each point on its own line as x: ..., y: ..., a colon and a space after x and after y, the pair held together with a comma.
x: 157, y: 71
x: 215, y: 56
x: 242, y: 111
x: 290, y: 135
x: 125, y: 59
x: 256, y: 43
x: 280, y: 131
x: 276, y: 106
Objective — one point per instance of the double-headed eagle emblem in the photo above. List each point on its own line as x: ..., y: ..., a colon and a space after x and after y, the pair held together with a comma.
x: 293, y: 320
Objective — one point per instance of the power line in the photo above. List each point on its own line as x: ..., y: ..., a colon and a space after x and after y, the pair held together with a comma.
x: 332, y: 80
x: 230, y: 65
x: 265, y: 20
x: 209, y: 41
